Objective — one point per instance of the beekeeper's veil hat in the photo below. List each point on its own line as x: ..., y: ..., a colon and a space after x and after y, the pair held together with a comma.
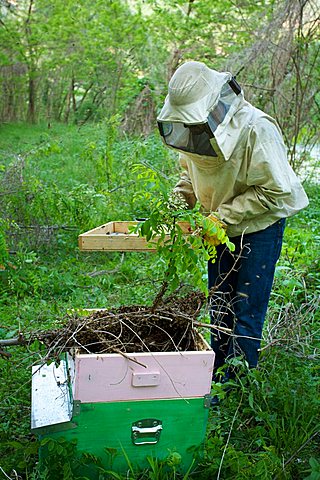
x: 193, y: 92
x: 197, y: 116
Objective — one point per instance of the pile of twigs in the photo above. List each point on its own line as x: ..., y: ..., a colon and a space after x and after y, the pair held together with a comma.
x: 129, y: 329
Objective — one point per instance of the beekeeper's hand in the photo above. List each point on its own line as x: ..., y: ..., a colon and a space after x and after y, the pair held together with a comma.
x: 214, y: 230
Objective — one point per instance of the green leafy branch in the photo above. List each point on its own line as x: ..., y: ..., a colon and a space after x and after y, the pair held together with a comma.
x: 184, y: 239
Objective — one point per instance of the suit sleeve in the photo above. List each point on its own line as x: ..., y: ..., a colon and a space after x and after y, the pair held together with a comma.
x: 267, y: 181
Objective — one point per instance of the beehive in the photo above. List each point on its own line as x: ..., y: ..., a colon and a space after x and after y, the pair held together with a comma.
x: 143, y: 404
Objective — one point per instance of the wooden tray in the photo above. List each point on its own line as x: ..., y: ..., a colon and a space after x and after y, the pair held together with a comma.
x: 115, y: 236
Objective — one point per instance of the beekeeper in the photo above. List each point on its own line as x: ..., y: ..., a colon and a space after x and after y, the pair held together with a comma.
x: 234, y: 164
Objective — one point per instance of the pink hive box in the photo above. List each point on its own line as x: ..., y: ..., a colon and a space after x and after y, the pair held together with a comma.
x: 160, y: 375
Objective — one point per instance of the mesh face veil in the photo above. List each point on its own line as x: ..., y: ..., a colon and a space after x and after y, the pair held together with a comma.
x: 198, y: 138
x: 188, y: 138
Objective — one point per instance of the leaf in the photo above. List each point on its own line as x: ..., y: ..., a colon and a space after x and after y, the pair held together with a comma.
x: 250, y: 399
x: 51, y: 446
x: 314, y: 464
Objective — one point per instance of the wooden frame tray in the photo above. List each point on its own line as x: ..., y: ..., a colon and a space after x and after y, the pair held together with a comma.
x: 115, y: 236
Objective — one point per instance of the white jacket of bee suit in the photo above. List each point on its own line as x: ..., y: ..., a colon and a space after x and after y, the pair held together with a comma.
x: 249, y: 182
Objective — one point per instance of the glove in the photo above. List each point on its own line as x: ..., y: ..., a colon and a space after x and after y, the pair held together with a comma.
x: 214, y: 230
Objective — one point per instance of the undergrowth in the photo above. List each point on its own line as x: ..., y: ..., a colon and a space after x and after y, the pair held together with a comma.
x: 60, y: 182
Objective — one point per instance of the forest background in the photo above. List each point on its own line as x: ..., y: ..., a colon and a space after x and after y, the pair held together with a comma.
x: 81, y: 85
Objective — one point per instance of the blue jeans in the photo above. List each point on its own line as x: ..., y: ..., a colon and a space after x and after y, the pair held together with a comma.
x: 242, y: 282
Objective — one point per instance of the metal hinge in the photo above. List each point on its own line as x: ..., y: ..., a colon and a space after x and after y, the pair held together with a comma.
x: 76, y: 408
x: 207, y: 401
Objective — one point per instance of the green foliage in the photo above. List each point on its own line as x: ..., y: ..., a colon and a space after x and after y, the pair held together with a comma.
x: 4, y: 255
x: 314, y: 469
x: 266, y: 425
x: 60, y: 459
x: 60, y: 46
x: 297, y: 277
x: 165, y: 228
x: 264, y: 422
x: 81, y: 61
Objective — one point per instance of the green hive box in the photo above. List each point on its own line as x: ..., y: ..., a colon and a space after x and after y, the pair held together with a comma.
x: 133, y: 431
x: 126, y: 431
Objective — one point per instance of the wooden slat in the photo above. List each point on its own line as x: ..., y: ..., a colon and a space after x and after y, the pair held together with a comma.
x: 107, y: 228
x: 115, y: 236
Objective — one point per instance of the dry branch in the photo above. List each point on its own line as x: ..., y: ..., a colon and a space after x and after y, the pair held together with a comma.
x: 20, y: 340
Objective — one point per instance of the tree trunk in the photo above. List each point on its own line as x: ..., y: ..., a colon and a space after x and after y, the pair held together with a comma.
x: 73, y: 95
x: 31, y: 114
x: 67, y: 111
x: 70, y: 100
x: 31, y: 117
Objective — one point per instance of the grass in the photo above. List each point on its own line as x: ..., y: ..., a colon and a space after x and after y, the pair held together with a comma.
x: 267, y: 428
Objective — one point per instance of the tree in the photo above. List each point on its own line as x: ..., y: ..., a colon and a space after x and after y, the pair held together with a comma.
x: 280, y: 72
x: 77, y: 57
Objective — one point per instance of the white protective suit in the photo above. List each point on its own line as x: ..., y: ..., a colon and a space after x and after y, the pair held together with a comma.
x: 249, y: 182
